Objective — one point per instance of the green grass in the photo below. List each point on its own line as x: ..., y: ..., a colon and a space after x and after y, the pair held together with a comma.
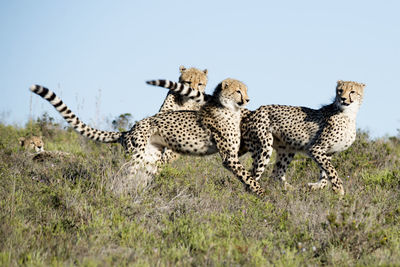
x: 65, y: 212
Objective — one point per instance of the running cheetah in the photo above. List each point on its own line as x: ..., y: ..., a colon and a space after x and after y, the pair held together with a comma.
x: 215, y: 128
x: 35, y: 143
x: 318, y: 133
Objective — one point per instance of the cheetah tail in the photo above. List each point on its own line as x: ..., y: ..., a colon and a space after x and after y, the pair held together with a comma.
x: 181, y: 89
x: 73, y: 120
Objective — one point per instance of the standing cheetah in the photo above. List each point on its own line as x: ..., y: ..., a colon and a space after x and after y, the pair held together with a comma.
x: 214, y: 128
x: 318, y: 133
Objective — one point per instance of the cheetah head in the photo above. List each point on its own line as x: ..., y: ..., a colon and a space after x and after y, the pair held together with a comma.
x: 34, y: 142
x: 232, y: 94
x: 195, y: 78
x: 349, y: 94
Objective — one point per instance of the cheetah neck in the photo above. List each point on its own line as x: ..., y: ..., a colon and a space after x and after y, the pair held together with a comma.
x: 349, y: 111
x: 229, y: 104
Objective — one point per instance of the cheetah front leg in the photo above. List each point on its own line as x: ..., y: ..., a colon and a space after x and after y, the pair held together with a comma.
x: 232, y: 163
x: 283, y: 159
x: 323, y: 181
x: 228, y: 150
x: 327, y: 169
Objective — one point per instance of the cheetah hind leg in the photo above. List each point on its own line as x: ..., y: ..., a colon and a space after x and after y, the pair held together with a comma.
x: 324, y: 163
x: 261, y: 154
x: 168, y: 156
x: 137, y: 173
x: 283, y: 159
x: 147, y: 162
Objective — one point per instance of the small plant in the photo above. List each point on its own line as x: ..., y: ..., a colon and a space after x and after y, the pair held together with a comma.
x: 45, y: 124
x: 123, y: 122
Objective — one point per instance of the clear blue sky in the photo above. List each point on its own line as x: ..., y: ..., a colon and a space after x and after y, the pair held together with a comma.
x: 97, y: 55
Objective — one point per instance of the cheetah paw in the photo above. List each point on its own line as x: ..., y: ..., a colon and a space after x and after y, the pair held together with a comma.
x: 315, y: 186
x: 339, y: 191
x: 260, y: 192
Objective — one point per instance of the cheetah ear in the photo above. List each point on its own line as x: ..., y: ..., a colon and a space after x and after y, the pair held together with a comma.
x: 41, y: 137
x: 339, y: 81
x: 224, y: 85
x: 182, y: 69
x: 21, y: 141
x: 205, y: 71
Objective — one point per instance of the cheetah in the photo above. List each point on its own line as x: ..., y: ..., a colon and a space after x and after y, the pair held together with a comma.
x: 51, y: 155
x: 196, y: 79
x: 317, y: 133
x: 36, y: 143
x: 214, y: 128
x: 32, y: 143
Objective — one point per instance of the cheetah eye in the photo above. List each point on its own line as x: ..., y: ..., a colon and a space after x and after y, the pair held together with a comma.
x: 188, y: 82
x: 239, y: 92
x: 200, y: 84
x: 352, y: 92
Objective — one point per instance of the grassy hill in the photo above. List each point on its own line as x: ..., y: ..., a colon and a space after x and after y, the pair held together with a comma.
x: 67, y: 212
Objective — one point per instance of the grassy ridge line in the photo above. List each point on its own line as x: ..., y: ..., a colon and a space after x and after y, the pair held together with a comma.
x: 194, y: 212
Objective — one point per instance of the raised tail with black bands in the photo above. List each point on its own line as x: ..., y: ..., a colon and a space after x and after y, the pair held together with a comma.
x: 181, y: 89
x: 73, y: 120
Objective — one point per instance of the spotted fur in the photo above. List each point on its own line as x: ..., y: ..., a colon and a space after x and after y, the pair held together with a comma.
x: 195, y: 78
x: 318, y: 133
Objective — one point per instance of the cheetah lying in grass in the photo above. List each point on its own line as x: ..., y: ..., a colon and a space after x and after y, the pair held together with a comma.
x: 318, y: 133
x: 36, y: 143
x: 32, y: 143
x: 214, y: 128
